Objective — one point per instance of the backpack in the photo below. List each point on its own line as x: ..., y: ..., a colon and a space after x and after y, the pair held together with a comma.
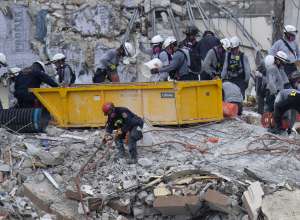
x: 173, y: 74
x: 61, y: 74
x: 220, y: 62
x: 193, y: 58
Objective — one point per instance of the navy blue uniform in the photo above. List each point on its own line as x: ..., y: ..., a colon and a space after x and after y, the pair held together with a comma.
x: 124, y: 119
x: 30, y: 78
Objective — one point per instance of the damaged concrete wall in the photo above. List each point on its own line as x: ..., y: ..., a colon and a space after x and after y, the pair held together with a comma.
x: 38, y: 29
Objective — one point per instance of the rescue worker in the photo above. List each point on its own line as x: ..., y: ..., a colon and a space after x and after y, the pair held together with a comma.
x: 236, y: 67
x: 214, y: 60
x: 109, y: 62
x: 190, y: 46
x: 66, y: 76
x: 178, y: 67
x: 157, y: 51
x: 261, y: 81
x: 3, y: 63
x: 232, y: 94
x: 208, y: 41
x: 30, y: 77
x: 12, y: 73
x: 288, y: 45
x: 127, y: 125
x: 287, y: 99
x: 156, y: 43
x: 276, y: 79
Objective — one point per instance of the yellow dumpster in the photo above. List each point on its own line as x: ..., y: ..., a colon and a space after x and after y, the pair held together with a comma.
x: 163, y: 103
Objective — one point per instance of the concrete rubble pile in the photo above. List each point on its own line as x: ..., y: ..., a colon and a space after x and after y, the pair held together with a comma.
x: 201, y: 172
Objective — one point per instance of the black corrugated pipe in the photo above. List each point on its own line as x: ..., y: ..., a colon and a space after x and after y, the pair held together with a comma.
x: 25, y: 120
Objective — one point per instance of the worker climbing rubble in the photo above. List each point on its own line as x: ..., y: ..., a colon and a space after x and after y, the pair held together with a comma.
x: 3, y: 63
x: 157, y: 51
x: 236, y: 67
x: 128, y: 128
x: 214, y: 60
x: 107, y: 69
x: 30, y: 77
x: 66, y: 76
x: 276, y: 79
x: 190, y: 46
x: 178, y: 67
x: 288, y: 45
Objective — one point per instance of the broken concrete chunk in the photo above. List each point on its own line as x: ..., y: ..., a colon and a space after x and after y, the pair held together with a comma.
x: 282, y: 205
x: 4, y: 168
x: 176, y: 205
x: 145, y: 162
x: 252, y: 199
x: 220, y: 202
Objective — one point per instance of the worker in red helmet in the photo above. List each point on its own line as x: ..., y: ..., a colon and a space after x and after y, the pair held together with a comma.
x: 126, y: 123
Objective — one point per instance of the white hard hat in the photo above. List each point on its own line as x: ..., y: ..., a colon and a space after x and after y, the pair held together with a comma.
x: 42, y: 65
x: 269, y: 60
x: 290, y: 29
x: 169, y: 41
x: 282, y: 56
x: 235, y: 42
x: 14, y: 71
x: 129, y: 49
x: 157, y: 39
x: 154, y: 64
x: 3, y: 60
x: 57, y: 57
x: 225, y: 43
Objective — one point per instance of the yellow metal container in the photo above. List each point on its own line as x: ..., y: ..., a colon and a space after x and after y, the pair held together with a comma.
x: 163, y: 103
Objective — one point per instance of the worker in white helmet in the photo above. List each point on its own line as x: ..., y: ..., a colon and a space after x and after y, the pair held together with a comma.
x: 178, y: 68
x: 107, y: 68
x: 276, y: 79
x: 66, y: 76
x: 288, y: 45
x: 157, y: 51
x: 214, y: 60
x: 156, y: 46
x: 3, y: 61
x: 236, y: 67
x: 30, y: 77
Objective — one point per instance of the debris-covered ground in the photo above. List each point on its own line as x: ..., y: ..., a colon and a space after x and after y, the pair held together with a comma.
x: 228, y: 170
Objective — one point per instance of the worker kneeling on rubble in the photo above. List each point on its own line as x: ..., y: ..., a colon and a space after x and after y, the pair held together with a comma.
x: 66, y: 76
x: 232, y: 94
x: 178, y: 67
x: 236, y: 66
x: 109, y: 62
x: 128, y: 127
x: 30, y: 77
x: 286, y: 100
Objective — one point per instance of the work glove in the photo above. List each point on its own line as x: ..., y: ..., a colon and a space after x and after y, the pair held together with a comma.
x: 112, y: 67
x: 107, y: 137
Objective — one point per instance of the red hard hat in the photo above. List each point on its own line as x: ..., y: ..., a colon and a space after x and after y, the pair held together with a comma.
x: 107, y: 107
